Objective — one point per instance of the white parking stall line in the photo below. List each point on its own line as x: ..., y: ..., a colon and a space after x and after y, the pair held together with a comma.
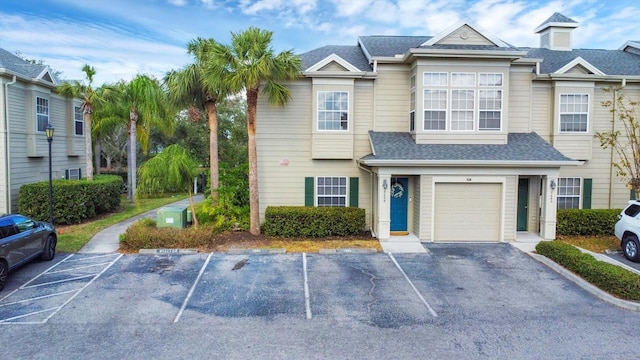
x: 39, y: 275
x: 193, y: 288
x: 59, y: 281
x: 10, y: 320
x: 84, y: 258
x: 79, y: 267
x: 82, y: 288
x: 38, y: 298
x: 307, y: 301
x: 413, y: 286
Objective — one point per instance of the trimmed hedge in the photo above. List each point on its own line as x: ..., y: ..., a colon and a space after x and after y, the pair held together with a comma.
x: 586, y: 221
x: 608, y: 277
x: 313, y: 222
x: 73, y: 200
x: 143, y: 234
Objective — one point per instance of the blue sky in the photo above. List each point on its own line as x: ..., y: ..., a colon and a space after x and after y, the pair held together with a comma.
x: 122, y: 38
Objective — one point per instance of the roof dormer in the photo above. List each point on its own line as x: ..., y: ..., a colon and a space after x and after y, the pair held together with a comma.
x: 555, y: 32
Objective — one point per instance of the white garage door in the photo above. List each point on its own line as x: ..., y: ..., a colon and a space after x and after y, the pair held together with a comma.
x: 467, y: 212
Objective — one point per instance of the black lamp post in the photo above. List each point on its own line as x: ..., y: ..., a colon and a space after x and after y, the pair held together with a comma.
x: 49, y: 131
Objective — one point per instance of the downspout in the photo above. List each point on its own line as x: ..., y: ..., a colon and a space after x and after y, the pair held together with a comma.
x: 7, y: 157
x: 613, y: 128
x: 371, y: 196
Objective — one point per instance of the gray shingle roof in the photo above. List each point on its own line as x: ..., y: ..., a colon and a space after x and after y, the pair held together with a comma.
x: 15, y: 64
x: 521, y: 147
x: 352, y: 54
x: 389, y: 46
x: 610, y: 62
x: 557, y: 18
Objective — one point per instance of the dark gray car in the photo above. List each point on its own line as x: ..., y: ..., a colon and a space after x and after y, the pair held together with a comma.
x: 23, y: 239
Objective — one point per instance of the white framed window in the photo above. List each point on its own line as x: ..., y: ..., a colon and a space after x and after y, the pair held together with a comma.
x: 569, y: 193
x: 490, y: 79
x: 333, y: 110
x: 435, y: 109
x: 463, y: 79
x: 412, y: 110
x: 490, y: 109
x: 78, y: 120
x: 435, y: 79
x: 331, y: 191
x: 42, y: 113
x: 574, y: 112
x: 462, y: 109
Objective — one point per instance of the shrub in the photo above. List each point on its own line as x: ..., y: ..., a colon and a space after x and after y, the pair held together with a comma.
x: 313, y: 222
x: 143, y: 234
x: 73, y: 200
x: 608, y: 277
x: 586, y: 221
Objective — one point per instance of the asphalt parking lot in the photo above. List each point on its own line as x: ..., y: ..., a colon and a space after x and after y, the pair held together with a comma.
x: 460, y: 300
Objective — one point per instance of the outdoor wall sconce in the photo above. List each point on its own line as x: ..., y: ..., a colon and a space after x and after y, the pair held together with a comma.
x: 552, y: 185
x: 385, y: 186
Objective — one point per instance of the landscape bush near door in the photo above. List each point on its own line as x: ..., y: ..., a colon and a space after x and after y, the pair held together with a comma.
x: 313, y: 222
x: 586, y: 221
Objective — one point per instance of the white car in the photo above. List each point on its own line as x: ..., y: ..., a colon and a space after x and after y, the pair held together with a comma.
x: 628, y: 230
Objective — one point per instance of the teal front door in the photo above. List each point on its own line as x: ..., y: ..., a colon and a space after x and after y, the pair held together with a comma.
x: 523, y: 204
x: 399, y: 195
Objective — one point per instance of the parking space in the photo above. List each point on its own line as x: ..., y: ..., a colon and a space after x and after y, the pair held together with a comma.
x: 379, y: 290
x: 40, y: 298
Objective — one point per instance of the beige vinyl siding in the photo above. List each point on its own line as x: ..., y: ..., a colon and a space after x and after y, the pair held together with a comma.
x: 542, y: 109
x: 520, y: 93
x: 392, y: 98
x: 363, y: 117
x: 284, y: 151
x: 75, y: 143
x: 533, y: 222
x: 465, y: 36
x: 511, y: 204
x: 576, y: 145
x: 333, y: 66
x: 414, y: 205
x: 426, y: 199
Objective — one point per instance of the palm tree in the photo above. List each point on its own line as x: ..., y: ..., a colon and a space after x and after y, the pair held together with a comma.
x: 147, y: 106
x: 89, y: 99
x: 252, y: 65
x: 172, y: 169
x: 187, y: 87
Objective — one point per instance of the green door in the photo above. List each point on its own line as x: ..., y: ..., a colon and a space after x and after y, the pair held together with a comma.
x: 523, y: 204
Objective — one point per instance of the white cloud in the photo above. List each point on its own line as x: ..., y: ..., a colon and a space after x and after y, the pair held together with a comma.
x: 177, y: 2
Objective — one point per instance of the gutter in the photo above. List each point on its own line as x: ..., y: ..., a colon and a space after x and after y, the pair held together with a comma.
x: 475, y: 163
x: 7, y: 157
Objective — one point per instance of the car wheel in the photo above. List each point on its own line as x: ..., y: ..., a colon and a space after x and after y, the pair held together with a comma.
x: 4, y: 270
x: 631, y: 248
x: 49, y: 248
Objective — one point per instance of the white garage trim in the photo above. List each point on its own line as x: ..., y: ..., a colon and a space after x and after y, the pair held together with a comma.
x: 461, y: 197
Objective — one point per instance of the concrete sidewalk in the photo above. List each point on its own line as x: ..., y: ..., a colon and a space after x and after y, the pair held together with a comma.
x: 108, y: 240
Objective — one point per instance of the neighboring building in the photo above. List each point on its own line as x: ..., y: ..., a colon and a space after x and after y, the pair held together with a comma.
x: 28, y: 102
x: 456, y: 137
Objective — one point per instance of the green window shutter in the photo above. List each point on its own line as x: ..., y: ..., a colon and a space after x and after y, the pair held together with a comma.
x: 586, y: 196
x: 308, y: 191
x: 632, y: 195
x: 353, y: 191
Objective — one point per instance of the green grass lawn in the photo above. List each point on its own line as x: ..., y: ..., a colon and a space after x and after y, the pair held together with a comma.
x: 73, y: 237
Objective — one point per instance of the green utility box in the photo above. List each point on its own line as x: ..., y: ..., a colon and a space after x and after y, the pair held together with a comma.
x: 172, y: 216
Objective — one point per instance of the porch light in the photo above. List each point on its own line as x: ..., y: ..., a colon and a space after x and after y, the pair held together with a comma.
x: 384, y: 184
x: 552, y: 185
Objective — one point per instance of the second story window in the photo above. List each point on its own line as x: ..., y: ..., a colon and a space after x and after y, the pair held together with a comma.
x: 412, y: 104
x: 42, y: 113
x: 333, y: 110
x: 574, y: 112
x: 78, y: 120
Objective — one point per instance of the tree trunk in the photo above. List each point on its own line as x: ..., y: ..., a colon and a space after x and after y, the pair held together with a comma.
x: 87, y: 143
x: 254, y: 203
x: 212, y: 114
x: 98, y: 155
x: 131, y: 161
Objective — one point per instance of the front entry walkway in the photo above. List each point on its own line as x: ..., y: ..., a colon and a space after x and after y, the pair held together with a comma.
x: 403, y: 244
